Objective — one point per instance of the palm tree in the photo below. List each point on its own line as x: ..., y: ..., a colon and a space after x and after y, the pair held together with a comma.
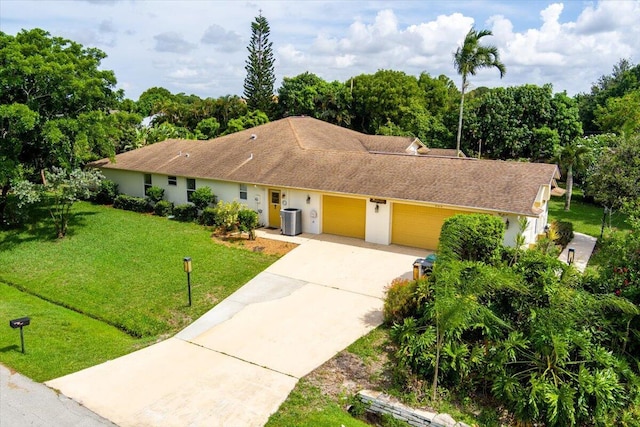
x: 469, y: 58
x: 572, y: 156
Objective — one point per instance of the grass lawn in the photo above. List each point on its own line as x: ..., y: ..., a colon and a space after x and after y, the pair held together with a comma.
x: 119, y: 272
x: 58, y: 340
x: 586, y: 217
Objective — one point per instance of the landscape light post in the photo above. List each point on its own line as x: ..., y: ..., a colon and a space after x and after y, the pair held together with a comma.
x: 187, y: 269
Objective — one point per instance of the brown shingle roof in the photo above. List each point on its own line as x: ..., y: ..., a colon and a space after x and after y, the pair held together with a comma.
x: 302, y: 152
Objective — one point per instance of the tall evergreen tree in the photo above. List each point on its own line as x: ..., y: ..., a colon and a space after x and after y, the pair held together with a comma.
x: 258, y: 85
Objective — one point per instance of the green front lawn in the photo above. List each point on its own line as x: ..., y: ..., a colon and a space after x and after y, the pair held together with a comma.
x: 585, y: 216
x: 119, y: 272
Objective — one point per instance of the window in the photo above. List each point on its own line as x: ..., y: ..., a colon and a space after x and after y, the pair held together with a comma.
x: 172, y: 180
x: 243, y: 191
x: 147, y: 182
x: 191, y: 187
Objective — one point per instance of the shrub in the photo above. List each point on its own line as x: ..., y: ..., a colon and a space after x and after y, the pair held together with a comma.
x: 399, y: 301
x: 186, y: 212
x: 155, y: 194
x: 202, y: 197
x: 107, y: 193
x: 209, y: 217
x: 130, y: 203
x: 563, y: 231
x: 227, y: 215
x: 163, y: 208
x: 472, y: 237
x: 248, y: 222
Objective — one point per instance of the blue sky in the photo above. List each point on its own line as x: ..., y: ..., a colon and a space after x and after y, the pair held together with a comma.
x: 199, y: 47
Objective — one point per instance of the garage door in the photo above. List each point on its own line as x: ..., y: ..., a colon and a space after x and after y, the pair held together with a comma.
x: 418, y: 226
x: 343, y: 216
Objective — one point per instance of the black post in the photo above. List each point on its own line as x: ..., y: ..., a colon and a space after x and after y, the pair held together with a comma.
x: 189, y: 286
x: 21, y: 339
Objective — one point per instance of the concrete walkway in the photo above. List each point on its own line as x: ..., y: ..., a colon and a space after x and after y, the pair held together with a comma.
x: 583, y: 246
x: 24, y: 402
x: 238, y: 363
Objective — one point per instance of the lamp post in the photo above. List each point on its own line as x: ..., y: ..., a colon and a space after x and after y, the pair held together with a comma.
x: 571, y: 255
x: 187, y: 269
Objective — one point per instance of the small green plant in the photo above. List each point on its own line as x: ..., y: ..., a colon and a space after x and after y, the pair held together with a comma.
x: 130, y: 203
x: 155, y: 194
x: 248, y: 222
x: 209, y: 217
x: 400, y: 301
x: 107, y: 193
x: 562, y: 232
x: 227, y: 216
x: 163, y: 208
x: 357, y: 407
x: 202, y: 198
x: 186, y: 212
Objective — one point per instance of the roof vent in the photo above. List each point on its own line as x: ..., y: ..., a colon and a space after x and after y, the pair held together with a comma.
x: 254, y: 136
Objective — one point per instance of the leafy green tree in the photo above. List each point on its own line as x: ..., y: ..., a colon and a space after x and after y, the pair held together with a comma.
x: 614, y: 179
x: 59, y: 192
x: 526, y: 121
x: 56, y: 78
x: 15, y: 121
x: 299, y: 95
x: 249, y: 120
x: 258, y: 84
x: 207, y: 128
x: 383, y: 97
x: 620, y: 115
x: 572, y: 157
x: 150, y: 100
x: 471, y: 57
x: 624, y: 78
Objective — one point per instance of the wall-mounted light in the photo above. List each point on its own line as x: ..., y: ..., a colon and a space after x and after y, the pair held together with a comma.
x: 377, y: 208
x: 308, y: 199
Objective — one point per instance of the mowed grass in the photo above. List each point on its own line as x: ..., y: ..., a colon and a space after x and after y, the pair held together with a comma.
x: 585, y: 216
x: 117, y: 276
x: 58, y: 341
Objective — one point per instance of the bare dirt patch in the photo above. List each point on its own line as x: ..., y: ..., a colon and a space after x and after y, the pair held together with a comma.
x: 260, y: 244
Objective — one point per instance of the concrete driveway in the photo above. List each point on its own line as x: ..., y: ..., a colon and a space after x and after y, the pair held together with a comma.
x: 238, y: 363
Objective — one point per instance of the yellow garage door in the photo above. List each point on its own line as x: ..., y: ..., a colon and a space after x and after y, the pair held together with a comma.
x: 343, y: 216
x: 418, y: 226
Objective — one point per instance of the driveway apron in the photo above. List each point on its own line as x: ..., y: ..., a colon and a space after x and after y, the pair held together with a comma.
x: 237, y: 363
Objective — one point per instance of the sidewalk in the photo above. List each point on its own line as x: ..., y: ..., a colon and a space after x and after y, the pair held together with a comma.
x: 583, y: 246
x: 24, y: 402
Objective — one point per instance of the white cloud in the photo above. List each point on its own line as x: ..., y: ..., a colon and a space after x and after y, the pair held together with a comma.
x: 172, y: 42
x: 194, y: 45
x: 223, y: 40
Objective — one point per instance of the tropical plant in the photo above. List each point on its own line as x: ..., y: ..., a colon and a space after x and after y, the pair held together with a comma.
x: 572, y: 157
x: 468, y: 59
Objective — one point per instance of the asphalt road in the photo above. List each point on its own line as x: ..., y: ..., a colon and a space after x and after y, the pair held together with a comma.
x: 24, y: 402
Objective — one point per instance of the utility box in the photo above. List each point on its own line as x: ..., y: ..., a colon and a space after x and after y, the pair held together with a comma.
x: 291, y: 221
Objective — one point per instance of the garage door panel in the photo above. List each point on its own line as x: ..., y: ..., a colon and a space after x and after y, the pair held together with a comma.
x: 344, y: 216
x: 418, y: 226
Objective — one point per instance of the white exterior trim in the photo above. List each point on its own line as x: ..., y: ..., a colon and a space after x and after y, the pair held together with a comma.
x: 377, y: 223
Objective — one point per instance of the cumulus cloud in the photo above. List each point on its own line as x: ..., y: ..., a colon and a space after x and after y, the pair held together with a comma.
x: 223, y: 40
x: 172, y: 42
